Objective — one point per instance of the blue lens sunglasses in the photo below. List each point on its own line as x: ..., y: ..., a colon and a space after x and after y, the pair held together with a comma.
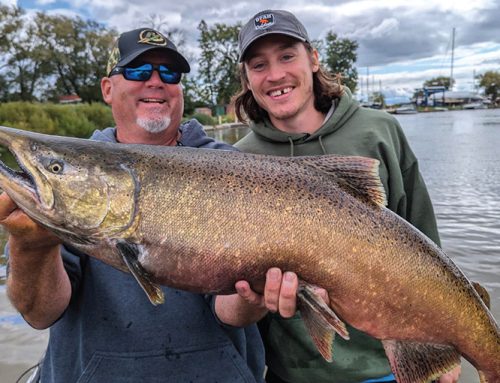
x: 145, y: 71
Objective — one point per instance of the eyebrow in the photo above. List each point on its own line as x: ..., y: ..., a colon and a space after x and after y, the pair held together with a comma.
x: 282, y: 46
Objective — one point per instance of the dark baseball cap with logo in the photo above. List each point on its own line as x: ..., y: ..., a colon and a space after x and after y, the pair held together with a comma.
x: 270, y: 22
x: 132, y: 44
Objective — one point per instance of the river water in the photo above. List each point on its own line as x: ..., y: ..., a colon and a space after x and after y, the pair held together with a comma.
x: 459, y: 154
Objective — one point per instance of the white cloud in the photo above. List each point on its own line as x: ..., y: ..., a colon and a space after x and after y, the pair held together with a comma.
x: 45, y: 2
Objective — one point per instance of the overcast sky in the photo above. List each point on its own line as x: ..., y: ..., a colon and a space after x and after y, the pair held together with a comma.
x: 402, y: 42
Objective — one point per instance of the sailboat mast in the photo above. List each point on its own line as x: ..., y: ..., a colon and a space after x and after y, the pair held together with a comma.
x: 452, y: 57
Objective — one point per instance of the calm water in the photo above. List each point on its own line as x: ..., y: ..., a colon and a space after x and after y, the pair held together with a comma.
x: 459, y: 154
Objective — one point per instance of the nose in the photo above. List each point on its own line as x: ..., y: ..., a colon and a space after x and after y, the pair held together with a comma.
x: 275, y: 72
x: 155, y: 79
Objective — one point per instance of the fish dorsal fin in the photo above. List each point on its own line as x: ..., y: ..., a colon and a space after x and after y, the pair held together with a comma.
x: 413, y: 362
x: 359, y: 176
x: 129, y: 253
x: 320, y: 321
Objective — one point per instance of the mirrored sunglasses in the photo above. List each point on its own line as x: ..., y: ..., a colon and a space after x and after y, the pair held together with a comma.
x: 145, y: 71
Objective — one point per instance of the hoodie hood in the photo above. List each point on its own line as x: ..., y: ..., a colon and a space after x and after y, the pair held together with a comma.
x: 192, y: 135
x: 106, y: 135
x: 344, y: 108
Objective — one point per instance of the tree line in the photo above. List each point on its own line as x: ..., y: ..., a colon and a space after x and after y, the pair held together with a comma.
x: 46, y: 56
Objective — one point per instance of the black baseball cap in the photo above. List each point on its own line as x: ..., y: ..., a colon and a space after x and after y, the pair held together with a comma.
x: 270, y: 22
x: 132, y: 44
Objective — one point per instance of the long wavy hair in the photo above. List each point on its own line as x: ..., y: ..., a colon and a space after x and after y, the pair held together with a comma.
x: 325, y: 88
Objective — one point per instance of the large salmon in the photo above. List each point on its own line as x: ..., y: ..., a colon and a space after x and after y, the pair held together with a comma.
x: 200, y: 220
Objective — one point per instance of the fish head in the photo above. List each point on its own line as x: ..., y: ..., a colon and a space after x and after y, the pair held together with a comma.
x: 73, y: 186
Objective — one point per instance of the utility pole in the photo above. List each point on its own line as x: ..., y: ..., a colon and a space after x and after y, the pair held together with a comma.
x: 452, y: 57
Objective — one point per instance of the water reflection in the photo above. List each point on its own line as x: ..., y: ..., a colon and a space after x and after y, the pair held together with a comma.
x: 459, y: 159
x: 229, y: 135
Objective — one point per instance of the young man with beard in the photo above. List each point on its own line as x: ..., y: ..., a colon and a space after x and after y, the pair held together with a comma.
x: 295, y: 108
x: 102, y: 326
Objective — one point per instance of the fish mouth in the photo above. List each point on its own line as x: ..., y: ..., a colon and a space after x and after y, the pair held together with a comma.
x: 15, y: 177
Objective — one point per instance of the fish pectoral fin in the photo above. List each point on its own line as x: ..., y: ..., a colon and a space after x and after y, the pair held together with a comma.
x: 321, y: 322
x: 130, y: 255
x: 413, y: 362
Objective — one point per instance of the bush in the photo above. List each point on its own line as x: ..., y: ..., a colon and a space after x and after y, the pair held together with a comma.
x: 203, y: 119
x: 78, y: 120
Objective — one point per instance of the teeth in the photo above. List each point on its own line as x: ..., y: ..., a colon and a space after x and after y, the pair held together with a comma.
x: 279, y: 92
x: 153, y: 100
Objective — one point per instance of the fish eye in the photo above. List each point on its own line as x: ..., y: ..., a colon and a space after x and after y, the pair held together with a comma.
x: 55, y: 167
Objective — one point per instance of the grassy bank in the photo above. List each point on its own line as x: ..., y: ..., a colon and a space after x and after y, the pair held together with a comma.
x: 78, y: 120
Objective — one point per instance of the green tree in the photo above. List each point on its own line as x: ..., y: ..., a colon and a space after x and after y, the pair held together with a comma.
x: 439, y: 81
x: 340, y: 57
x: 10, y: 24
x: 218, y: 68
x: 195, y: 95
x: 490, y: 81
x: 78, y: 52
x: 24, y: 64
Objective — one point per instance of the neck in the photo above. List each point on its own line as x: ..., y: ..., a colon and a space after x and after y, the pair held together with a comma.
x: 140, y: 136
x: 300, y: 123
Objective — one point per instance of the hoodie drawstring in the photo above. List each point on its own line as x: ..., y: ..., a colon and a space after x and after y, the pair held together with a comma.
x: 322, y: 146
x: 291, y: 146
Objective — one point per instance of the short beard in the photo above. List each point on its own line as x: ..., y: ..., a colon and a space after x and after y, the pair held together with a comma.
x: 154, y: 125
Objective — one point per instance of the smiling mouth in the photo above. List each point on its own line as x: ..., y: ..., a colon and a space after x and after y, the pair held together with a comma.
x: 153, y: 100
x: 280, y: 92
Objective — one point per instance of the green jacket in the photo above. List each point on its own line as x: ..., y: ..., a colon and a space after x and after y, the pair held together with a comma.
x: 350, y: 130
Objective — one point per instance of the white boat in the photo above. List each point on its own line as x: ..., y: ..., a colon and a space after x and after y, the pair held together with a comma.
x: 475, y: 105
x: 406, y: 109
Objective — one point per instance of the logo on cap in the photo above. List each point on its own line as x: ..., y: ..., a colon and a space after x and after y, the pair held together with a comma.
x: 149, y: 36
x: 264, y: 21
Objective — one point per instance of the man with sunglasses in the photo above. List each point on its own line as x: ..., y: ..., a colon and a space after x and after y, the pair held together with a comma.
x: 102, y: 326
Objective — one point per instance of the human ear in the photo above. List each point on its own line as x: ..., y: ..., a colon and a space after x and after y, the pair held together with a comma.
x: 315, y: 60
x: 106, y: 90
